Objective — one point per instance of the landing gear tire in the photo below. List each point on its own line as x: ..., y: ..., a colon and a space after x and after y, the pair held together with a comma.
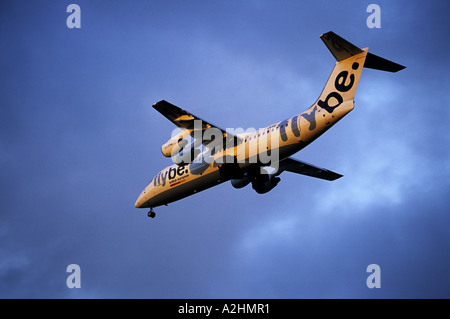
x: 151, y: 214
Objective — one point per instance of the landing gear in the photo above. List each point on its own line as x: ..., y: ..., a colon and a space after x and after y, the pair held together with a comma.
x: 151, y: 213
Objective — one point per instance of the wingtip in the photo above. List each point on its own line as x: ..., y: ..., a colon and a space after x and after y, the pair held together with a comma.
x: 161, y: 101
x: 160, y: 104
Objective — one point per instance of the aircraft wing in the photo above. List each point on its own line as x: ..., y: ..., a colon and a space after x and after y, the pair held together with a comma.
x: 296, y: 166
x: 186, y: 120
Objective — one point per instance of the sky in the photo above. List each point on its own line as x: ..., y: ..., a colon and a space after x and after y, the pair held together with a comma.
x: 79, y: 141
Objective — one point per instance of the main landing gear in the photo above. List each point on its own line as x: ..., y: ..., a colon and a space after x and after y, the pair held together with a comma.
x: 151, y: 213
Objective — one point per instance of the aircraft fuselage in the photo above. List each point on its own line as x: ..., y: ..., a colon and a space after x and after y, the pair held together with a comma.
x: 176, y: 182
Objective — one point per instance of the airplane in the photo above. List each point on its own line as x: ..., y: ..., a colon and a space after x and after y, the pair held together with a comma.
x: 205, y: 155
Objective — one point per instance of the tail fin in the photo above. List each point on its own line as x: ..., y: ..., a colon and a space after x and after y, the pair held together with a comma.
x: 343, y: 81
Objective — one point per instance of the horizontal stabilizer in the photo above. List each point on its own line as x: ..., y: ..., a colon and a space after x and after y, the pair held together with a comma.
x: 296, y: 166
x: 378, y: 63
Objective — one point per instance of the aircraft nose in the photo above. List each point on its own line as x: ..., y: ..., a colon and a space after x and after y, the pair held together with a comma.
x: 137, y: 204
x: 139, y: 201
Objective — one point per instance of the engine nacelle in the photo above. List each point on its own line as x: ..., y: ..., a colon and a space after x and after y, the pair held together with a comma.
x: 241, y: 182
x: 199, y: 166
x: 175, y: 144
x: 262, y: 187
x: 187, y: 155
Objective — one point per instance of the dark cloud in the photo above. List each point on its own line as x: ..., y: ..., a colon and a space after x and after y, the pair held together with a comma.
x: 79, y: 140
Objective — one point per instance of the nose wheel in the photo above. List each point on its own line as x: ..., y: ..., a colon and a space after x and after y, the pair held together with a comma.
x: 151, y: 214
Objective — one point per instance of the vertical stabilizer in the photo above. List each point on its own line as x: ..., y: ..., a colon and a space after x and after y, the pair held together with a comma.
x: 343, y: 81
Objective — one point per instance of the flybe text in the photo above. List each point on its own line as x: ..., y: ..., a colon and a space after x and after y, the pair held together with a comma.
x: 173, y: 172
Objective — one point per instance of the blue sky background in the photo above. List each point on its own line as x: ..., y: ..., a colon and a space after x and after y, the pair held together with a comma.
x: 79, y: 140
